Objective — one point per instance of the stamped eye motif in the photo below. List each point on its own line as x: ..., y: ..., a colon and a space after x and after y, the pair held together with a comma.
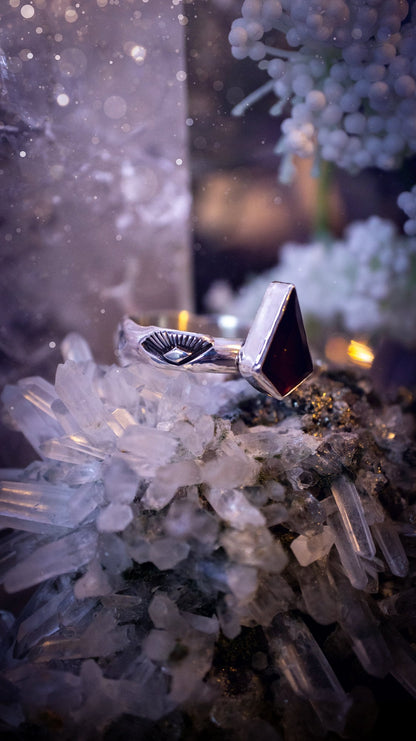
x: 175, y: 348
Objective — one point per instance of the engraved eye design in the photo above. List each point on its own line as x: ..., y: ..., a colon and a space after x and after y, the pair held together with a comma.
x: 175, y: 348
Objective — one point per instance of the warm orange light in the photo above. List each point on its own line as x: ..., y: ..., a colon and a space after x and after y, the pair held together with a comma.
x: 360, y: 353
x: 183, y: 319
x: 336, y: 349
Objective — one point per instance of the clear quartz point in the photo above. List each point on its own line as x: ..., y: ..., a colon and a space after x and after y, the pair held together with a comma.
x: 306, y: 668
x: 353, y: 517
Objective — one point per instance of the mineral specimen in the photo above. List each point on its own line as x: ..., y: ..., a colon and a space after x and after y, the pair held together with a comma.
x: 203, y: 559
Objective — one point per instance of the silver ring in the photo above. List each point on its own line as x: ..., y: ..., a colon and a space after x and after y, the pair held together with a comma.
x: 273, y: 355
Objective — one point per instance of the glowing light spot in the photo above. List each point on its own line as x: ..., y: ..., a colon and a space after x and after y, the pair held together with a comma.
x: 62, y: 99
x: 25, y: 55
x: 181, y: 75
x: 27, y: 11
x: 14, y: 3
x: 183, y: 319
x: 228, y: 323
x: 38, y: 29
x: 115, y: 107
x: 52, y: 345
x: 189, y: 121
x: 179, y: 161
x: 22, y: 153
x: 71, y: 15
x: 360, y: 353
x: 138, y: 53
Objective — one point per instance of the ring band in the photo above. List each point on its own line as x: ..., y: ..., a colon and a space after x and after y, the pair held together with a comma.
x: 273, y: 355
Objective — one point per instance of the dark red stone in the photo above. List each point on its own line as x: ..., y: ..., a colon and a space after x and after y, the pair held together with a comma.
x: 288, y: 360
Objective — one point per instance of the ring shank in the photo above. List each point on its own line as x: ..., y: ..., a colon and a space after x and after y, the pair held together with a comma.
x: 217, y: 325
x: 221, y: 353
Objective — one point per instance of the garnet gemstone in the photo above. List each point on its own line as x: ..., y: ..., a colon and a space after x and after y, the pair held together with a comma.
x: 288, y: 361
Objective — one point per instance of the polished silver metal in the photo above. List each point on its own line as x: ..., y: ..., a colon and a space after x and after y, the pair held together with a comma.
x: 188, y: 343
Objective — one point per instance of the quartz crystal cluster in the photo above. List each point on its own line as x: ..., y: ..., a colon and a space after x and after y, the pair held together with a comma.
x: 186, y: 543
x: 346, y: 68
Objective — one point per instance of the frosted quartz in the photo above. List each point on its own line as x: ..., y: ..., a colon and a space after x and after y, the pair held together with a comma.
x: 74, y: 448
x: 52, y: 610
x: 255, y: 547
x: 310, y: 549
x: 391, y: 547
x: 74, y: 385
x: 165, y: 614
x: 202, y: 623
x: 308, y: 671
x: 351, y: 562
x: 185, y: 520
x: 145, y: 448
x: 113, y: 555
x: 318, y: 594
x: 195, y: 436
x: 275, y: 513
x: 126, y: 607
x: 359, y: 623
x: 36, y: 425
x: 116, y: 391
x: 38, y: 392
x: 167, y: 552
x: 242, y: 581
x: 74, y: 347
x: 233, y: 507
x: 52, y: 559
x: 48, y: 504
x: 164, y: 552
x: 273, y: 596
x: 353, y: 517
x: 195, y: 646
x: 144, y: 696
x: 119, y: 420
x: 167, y: 480
x: 114, y: 518
x: 67, y: 420
x: 102, y: 637
x: 14, y: 547
x: 188, y: 674
x: 288, y: 442
x: 82, y: 473
x: 120, y: 481
x: 229, y: 471
x: 158, y: 645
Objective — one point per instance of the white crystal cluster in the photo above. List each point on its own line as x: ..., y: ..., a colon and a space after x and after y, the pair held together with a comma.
x: 348, y: 71
x: 363, y: 282
x: 149, y: 526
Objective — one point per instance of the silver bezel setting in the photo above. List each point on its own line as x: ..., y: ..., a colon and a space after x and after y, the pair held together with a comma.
x: 260, y: 337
